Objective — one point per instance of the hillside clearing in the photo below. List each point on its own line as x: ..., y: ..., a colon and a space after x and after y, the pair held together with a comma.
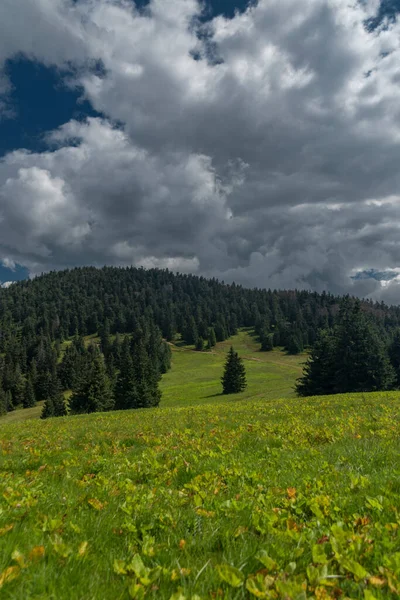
x: 195, y: 376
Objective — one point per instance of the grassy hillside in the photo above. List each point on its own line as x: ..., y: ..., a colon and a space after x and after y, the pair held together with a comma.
x: 195, y: 376
x: 290, y: 499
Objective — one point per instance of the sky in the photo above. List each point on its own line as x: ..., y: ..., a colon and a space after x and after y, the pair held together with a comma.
x: 257, y: 143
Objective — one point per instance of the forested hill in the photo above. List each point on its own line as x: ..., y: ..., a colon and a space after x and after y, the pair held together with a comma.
x: 38, y: 316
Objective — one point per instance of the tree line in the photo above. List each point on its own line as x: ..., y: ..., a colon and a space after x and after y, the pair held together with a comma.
x: 40, y: 316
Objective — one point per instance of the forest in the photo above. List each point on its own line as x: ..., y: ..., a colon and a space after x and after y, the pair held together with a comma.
x: 135, y: 314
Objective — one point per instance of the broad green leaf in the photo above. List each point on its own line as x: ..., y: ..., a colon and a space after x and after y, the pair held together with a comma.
x: 354, y: 567
x: 137, y: 591
x: 318, y: 554
x: 369, y: 595
x: 268, y: 562
x: 230, y: 575
x: 258, y: 585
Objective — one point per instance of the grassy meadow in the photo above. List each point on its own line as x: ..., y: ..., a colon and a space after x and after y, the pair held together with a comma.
x: 195, y: 376
x: 262, y: 495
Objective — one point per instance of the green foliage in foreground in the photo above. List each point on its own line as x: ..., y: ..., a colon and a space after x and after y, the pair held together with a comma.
x: 293, y: 499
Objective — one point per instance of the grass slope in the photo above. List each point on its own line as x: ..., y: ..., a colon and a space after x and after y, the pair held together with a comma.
x: 291, y: 499
x: 195, y: 376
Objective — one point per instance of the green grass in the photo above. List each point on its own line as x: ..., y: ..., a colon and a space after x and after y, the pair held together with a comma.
x: 294, y: 498
x: 238, y: 497
x: 195, y: 376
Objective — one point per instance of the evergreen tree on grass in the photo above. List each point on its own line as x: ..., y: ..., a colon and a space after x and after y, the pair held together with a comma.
x: 29, y: 395
x: 394, y: 355
x: 3, y: 401
x: 200, y: 344
x: 349, y: 358
x: 319, y: 371
x: 267, y: 343
x: 234, y: 377
x: 93, y: 392
x: 54, y: 405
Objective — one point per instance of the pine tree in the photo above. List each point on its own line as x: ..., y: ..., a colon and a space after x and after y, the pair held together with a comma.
x: 266, y: 342
x: 18, y: 389
x: 29, y: 394
x: 361, y: 361
x: 126, y: 389
x: 54, y: 405
x: 349, y: 358
x: 3, y: 401
x: 146, y: 375
x: 319, y: 371
x: 48, y: 409
x: 394, y: 355
x: 294, y: 345
x: 234, y: 377
x: 200, y: 344
x: 212, y: 340
x: 93, y: 391
x: 57, y: 395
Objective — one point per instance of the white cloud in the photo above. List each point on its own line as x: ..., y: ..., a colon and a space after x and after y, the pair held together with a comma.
x: 265, y: 150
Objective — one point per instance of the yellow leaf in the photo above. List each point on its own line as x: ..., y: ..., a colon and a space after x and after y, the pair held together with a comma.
x: 37, y: 553
x: 18, y: 557
x: 96, y: 504
x: 6, y: 529
x: 377, y: 581
x: 83, y: 549
x: 8, y: 575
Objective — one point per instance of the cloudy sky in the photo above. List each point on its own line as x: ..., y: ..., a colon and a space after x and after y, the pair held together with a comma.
x: 257, y: 143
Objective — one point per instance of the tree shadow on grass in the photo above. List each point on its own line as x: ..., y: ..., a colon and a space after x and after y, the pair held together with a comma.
x: 214, y: 395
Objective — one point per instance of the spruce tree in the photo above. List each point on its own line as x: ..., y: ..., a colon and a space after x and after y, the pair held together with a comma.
x: 294, y: 344
x: 212, y: 340
x: 48, y: 409
x: 234, y: 377
x: 267, y: 343
x: 54, y: 405
x: 146, y: 375
x: 394, y: 355
x: 349, y: 358
x: 361, y: 361
x: 29, y: 394
x: 3, y: 401
x: 126, y: 389
x: 200, y: 344
x: 319, y: 371
x: 93, y: 392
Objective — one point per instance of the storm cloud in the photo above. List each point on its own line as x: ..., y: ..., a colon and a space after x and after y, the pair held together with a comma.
x: 263, y: 149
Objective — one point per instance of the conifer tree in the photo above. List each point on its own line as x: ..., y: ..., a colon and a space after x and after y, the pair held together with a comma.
x: 126, y: 389
x: 267, y: 343
x: 294, y: 344
x: 234, y: 377
x: 93, y: 392
x: 349, y: 358
x: 54, y: 405
x: 200, y: 344
x: 361, y: 361
x: 48, y: 409
x: 146, y: 375
x: 212, y: 340
x: 319, y: 371
x: 3, y: 401
x: 394, y: 355
x: 29, y: 394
